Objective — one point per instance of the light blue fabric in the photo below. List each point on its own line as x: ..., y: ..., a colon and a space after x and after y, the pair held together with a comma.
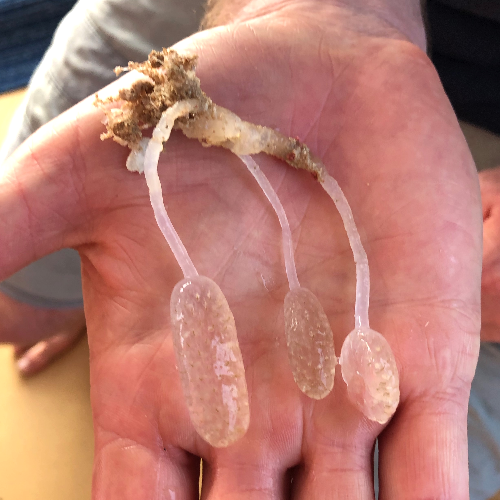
x: 52, y: 282
x: 484, y: 425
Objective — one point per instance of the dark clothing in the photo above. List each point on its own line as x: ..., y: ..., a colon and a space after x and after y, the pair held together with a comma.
x: 464, y: 43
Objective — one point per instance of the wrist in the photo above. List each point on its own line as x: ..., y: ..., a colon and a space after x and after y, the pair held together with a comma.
x: 403, y: 17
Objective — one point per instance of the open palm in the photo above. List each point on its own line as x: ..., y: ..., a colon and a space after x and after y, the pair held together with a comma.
x: 373, y: 109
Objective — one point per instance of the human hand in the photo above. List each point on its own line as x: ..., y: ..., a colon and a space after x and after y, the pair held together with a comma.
x: 39, y: 335
x: 371, y: 106
x: 490, y: 284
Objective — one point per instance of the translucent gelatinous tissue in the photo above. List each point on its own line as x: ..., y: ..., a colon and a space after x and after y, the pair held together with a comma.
x: 310, y: 343
x: 209, y: 361
x: 368, y: 365
x: 370, y: 372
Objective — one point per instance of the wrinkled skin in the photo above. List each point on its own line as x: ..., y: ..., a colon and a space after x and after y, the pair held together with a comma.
x: 373, y: 109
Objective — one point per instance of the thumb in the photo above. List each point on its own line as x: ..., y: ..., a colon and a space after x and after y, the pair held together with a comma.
x: 53, y: 186
x: 40, y: 191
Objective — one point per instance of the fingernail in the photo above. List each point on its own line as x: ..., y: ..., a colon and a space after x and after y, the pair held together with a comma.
x: 33, y: 359
x: 23, y: 364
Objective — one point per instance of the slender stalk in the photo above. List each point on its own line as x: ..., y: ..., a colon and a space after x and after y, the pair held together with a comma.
x: 291, y: 271
x: 161, y: 134
x: 330, y: 185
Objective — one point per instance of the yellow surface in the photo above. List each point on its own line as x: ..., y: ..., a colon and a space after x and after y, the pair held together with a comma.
x: 46, y: 438
x: 8, y: 104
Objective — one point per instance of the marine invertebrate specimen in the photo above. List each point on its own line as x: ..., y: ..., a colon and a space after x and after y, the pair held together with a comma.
x: 203, y: 329
x: 309, y: 338
x: 168, y: 95
x: 366, y: 359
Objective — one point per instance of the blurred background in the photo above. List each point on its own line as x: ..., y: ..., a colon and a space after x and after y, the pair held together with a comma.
x: 26, y: 29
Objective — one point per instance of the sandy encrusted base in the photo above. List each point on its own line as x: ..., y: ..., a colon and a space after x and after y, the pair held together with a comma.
x: 169, y: 78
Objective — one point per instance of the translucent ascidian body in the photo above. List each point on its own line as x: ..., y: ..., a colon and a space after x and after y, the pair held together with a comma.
x: 370, y: 372
x: 209, y: 361
x: 368, y: 365
x: 169, y: 95
x: 310, y: 343
x: 203, y: 329
x: 308, y: 334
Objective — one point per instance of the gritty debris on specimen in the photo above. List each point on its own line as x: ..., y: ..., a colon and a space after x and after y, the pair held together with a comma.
x: 370, y: 372
x: 209, y: 361
x: 203, y: 328
x: 310, y: 343
x: 169, y: 90
x: 167, y: 78
x: 311, y: 350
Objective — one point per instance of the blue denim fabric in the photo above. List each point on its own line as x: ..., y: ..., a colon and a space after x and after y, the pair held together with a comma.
x: 27, y: 27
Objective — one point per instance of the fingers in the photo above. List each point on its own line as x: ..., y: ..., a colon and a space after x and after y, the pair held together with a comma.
x: 127, y: 470
x: 238, y: 479
x: 340, y: 469
x: 140, y: 419
x: 423, y: 452
x: 39, y: 335
x: 34, y: 359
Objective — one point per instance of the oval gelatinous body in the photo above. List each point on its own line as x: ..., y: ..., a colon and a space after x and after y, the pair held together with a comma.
x: 369, y: 369
x: 309, y: 338
x: 209, y: 361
